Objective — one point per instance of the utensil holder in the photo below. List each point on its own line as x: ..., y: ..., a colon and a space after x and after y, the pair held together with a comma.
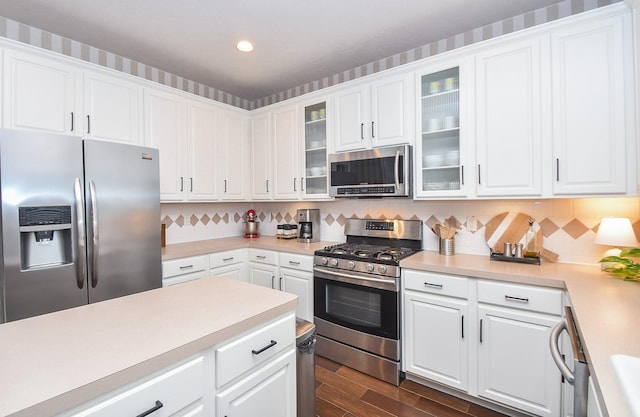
x: 446, y: 247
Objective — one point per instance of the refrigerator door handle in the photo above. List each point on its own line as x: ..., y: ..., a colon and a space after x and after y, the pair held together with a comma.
x: 81, y: 270
x: 95, y: 233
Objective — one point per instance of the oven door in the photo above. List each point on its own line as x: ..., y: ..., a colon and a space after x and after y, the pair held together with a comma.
x: 358, y: 302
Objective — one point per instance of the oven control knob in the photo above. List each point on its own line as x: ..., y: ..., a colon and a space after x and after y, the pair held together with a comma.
x: 370, y: 268
x: 324, y: 261
x: 333, y: 262
x: 382, y: 269
x: 351, y: 265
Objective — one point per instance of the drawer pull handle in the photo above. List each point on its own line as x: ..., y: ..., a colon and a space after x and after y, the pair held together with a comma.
x: 294, y: 263
x: 186, y: 267
x: 259, y: 351
x: 261, y: 257
x: 428, y: 284
x: 158, y: 406
x: 227, y: 259
x: 519, y: 299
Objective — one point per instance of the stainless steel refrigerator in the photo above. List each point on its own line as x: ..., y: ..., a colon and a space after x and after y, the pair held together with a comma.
x: 80, y: 222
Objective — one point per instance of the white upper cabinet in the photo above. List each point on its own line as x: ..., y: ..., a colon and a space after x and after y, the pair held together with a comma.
x: 232, y: 159
x: 392, y: 111
x: 441, y: 150
x: 260, y: 157
x: 314, y: 143
x: 52, y: 95
x: 165, y: 130
x: 509, y: 127
x: 374, y: 114
x: 593, y: 107
x: 202, y: 122
x: 286, y: 156
x: 112, y: 109
x: 40, y: 94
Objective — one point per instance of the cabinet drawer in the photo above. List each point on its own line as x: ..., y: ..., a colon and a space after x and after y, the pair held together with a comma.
x: 430, y: 282
x: 228, y: 257
x: 175, y: 388
x: 294, y: 261
x: 263, y: 256
x: 235, y: 358
x: 524, y: 297
x: 184, y: 266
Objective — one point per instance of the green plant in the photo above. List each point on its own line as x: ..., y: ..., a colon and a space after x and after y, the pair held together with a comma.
x: 624, y: 266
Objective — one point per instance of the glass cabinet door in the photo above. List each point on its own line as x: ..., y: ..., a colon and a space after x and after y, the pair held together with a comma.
x: 441, y: 169
x: 315, y: 149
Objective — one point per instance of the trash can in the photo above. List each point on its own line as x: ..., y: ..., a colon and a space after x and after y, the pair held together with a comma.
x: 305, y: 368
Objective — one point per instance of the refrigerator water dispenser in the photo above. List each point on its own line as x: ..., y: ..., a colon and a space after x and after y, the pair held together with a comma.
x: 45, y: 236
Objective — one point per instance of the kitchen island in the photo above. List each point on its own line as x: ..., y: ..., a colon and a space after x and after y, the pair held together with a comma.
x: 56, y: 361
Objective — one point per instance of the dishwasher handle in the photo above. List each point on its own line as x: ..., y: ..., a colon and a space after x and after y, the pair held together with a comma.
x: 555, y: 351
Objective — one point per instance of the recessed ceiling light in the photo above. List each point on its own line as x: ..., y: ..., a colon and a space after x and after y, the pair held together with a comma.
x: 244, y: 46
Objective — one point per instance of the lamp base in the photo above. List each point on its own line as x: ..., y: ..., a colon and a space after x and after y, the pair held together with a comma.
x: 610, y: 252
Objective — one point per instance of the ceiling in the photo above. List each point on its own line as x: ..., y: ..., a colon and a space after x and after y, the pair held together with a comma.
x: 296, y: 41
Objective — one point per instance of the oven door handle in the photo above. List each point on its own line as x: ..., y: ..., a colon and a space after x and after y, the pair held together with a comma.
x: 351, y: 278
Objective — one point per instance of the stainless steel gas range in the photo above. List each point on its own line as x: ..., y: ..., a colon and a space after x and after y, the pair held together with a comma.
x: 357, y: 295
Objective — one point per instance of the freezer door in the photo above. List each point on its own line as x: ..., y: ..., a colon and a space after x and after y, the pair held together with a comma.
x: 122, y: 194
x: 43, y: 258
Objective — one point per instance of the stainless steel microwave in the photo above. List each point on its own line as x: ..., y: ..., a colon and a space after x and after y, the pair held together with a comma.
x: 380, y: 172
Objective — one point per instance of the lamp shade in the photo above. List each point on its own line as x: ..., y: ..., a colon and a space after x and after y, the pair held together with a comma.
x: 615, y: 231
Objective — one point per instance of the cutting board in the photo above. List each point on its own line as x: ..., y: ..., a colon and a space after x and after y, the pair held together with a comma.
x: 510, y: 227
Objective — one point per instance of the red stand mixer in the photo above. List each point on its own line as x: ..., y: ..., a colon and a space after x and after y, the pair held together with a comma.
x: 251, y: 225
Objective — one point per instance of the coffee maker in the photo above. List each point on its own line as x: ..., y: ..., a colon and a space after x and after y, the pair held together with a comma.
x: 308, y: 225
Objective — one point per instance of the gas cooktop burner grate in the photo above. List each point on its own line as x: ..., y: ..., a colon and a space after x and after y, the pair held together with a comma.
x: 364, y: 251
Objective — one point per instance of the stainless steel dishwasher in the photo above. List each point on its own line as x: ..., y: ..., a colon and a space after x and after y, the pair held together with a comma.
x: 579, y: 377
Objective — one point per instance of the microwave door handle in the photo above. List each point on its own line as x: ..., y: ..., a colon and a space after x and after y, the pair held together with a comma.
x: 397, y: 167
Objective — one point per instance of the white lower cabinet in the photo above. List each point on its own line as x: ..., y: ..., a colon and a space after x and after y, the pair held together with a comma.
x: 231, y: 264
x: 179, y: 390
x: 296, y: 274
x: 429, y: 311
x: 180, y: 270
x: 497, y: 333
x: 283, y: 271
x: 514, y: 361
x: 515, y: 366
x: 263, y: 268
x: 256, y: 374
x: 271, y: 391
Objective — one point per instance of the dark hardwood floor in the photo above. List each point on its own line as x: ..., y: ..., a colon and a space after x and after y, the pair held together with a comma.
x: 344, y: 392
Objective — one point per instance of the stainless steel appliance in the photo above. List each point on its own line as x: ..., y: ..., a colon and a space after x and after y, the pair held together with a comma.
x: 380, y: 172
x: 309, y: 225
x: 579, y: 376
x: 80, y: 222
x: 357, y: 295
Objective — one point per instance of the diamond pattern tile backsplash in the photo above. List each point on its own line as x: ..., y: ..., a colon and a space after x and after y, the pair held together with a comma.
x: 568, y: 225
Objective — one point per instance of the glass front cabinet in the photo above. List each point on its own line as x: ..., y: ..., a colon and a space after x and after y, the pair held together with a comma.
x: 315, y: 151
x: 440, y: 146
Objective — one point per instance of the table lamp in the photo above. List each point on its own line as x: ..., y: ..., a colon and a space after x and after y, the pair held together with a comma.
x: 616, y: 232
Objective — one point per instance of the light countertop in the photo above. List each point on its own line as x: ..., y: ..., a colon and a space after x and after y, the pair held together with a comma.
x: 606, y: 308
x: 118, y: 341
x: 203, y: 247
